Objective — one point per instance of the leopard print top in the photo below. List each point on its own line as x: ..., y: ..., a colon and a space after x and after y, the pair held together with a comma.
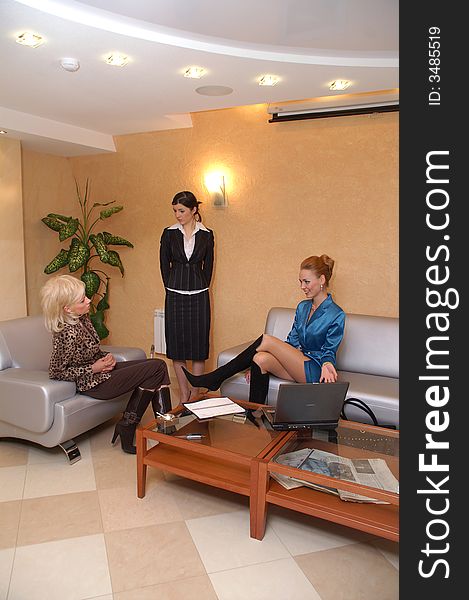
x: 74, y: 350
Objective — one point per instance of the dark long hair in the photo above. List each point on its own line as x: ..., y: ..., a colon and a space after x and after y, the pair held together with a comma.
x: 188, y: 200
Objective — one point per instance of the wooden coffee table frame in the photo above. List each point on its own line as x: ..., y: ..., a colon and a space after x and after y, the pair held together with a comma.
x: 250, y: 476
x: 212, y: 466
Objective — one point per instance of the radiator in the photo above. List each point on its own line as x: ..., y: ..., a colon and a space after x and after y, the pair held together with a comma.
x: 159, y: 339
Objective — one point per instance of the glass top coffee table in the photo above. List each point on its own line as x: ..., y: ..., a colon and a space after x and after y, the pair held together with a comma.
x: 349, y: 475
x: 250, y: 458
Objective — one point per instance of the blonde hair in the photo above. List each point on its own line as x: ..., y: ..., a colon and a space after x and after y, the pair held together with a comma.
x: 320, y: 265
x: 59, y: 292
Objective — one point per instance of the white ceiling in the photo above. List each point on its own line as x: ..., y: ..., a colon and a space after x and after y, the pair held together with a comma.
x: 307, y: 43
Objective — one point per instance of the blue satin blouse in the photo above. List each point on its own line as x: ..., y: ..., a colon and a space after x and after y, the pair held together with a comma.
x: 318, y: 338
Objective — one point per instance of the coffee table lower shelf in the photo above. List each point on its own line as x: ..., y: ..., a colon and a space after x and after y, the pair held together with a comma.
x: 378, y: 519
x: 230, y: 476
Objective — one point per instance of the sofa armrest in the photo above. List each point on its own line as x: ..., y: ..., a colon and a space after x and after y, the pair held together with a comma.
x: 27, y: 398
x: 230, y: 353
x: 124, y: 353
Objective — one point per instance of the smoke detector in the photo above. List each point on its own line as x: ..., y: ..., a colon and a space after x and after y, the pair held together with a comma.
x: 70, y: 64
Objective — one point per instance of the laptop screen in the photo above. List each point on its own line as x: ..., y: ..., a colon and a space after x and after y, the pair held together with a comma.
x: 310, y: 404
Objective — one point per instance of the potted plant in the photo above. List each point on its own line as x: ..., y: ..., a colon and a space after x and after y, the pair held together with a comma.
x: 87, y: 245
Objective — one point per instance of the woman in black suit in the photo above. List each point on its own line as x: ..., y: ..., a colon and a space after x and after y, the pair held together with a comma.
x: 186, y: 263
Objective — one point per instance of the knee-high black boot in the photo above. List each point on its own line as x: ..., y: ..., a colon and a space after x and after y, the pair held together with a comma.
x: 213, y: 380
x: 125, y: 428
x: 161, y: 401
x: 259, y: 385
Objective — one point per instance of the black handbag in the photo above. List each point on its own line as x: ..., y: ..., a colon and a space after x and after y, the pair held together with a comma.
x: 383, y: 444
x: 360, y: 404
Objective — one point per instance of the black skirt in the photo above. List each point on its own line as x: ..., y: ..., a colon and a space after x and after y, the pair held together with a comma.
x: 187, y: 325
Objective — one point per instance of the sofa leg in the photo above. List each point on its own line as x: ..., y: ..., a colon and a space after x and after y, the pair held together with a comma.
x: 71, y: 450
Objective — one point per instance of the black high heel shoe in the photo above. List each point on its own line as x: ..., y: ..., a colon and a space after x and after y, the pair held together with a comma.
x: 125, y: 429
x: 206, y: 381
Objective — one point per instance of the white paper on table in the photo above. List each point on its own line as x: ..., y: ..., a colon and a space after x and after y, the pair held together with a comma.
x: 214, y: 407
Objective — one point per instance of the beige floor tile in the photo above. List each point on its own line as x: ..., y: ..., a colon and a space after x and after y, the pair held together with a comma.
x: 388, y: 549
x: 13, y: 453
x: 198, y: 500
x: 40, y: 454
x: 48, y: 479
x: 151, y: 555
x: 122, y: 509
x: 67, y: 569
x: 171, y: 476
x: 59, y: 517
x: 118, y: 469
x: 6, y: 565
x: 354, y: 572
x: 199, y: 588
x: 9, y: 521
x: 106, y: 597
x: 223, y: 542
x: 302, y: 534
x: 277, y: 580
x: 12, y: 483
x: 100, y: 437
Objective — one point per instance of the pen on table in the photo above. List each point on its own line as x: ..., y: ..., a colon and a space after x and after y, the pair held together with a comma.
x: 191, y: 436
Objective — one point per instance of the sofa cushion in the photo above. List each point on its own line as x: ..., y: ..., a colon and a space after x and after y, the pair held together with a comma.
x: 381, y: 394
x: 279, y: 322
x: 370, y: 345
x: 28, y: 398
x: 5, y: 357
x: 28, y: 341
x: 124, y: 353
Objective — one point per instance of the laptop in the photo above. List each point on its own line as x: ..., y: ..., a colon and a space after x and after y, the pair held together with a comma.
x: 307, y: 405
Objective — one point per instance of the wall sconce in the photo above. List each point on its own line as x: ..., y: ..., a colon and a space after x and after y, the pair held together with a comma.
x: 215, y: 184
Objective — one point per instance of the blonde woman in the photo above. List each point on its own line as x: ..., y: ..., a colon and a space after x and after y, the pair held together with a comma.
x: 308, y: 354
x: 77, y: 356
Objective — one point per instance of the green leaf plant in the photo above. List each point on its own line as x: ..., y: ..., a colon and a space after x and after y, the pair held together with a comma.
x: 87, y: 245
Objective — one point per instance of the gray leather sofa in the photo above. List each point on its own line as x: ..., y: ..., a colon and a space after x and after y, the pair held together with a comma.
x: 368, y: 358
x: 36, y: 408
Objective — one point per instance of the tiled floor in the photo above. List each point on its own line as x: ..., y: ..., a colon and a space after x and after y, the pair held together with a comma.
x: 76, y: 532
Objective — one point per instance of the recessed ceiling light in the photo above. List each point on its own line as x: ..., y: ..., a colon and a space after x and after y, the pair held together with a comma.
x: 33, y: 40
x: 116, y: 60
x: 339, y: 84
x: 269, y: 80
x: 3, y: 132
x: 194, y: 72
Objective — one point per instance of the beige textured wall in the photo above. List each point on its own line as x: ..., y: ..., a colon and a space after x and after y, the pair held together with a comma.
x: 295, y: 189
x: 12, y: 269
x: 48, y: 186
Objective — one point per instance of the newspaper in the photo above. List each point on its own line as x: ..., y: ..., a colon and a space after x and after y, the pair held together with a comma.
x: 291, y: 459
x: 373, y: 472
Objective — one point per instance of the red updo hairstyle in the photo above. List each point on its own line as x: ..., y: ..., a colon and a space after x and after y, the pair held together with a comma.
x: 320, y: 265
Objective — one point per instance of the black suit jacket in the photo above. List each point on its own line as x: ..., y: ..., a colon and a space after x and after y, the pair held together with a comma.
x: 177, y: 272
